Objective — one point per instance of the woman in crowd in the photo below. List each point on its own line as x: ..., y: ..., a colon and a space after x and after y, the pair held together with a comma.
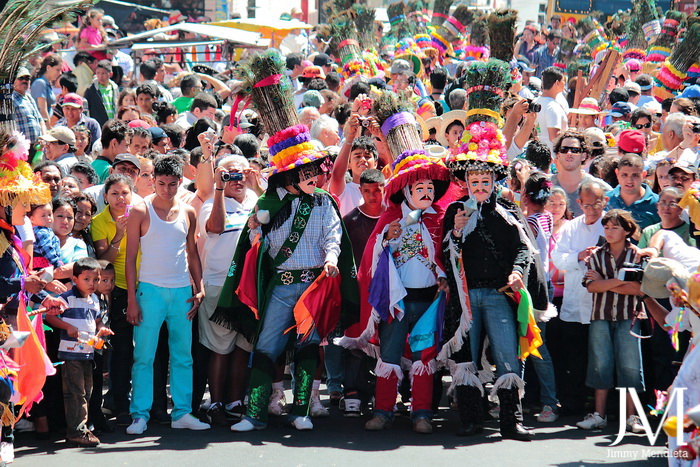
x: 144, y: 183
x: 164, y: 112
x: 63, y: 220
x: 82, y: 141
x: 42, y: 86
x: 85, y: 208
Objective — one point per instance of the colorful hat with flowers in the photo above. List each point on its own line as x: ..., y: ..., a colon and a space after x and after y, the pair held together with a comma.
x: 18, y: 184
x: 482, y: 149
x: 411, y: 167
x: 291, y: 148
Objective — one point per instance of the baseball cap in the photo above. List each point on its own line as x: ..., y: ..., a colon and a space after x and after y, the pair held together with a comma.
x: 138, y: 123
x: 157, y: 133
x: 631, y: 86
x: 632, y: 141
x: 684, y: 166
x: 313, y: 98
x: 108, y: 22
x: 313, y: 72
x: 62, y: 134
x: 633, y: 64
x: 644, y: 81
x: 322, y: 60
x: 23, y: 71
x: 620, y: 109
x: 691, y: 91
x: 72, y: 100
x: 126, y: 157
x: 400, y: 65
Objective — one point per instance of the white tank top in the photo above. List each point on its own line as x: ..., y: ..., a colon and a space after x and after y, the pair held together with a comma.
x: 163, y: 253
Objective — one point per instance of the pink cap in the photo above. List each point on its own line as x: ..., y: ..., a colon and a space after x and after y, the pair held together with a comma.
x: 72, y: 100
x: 139, y: 123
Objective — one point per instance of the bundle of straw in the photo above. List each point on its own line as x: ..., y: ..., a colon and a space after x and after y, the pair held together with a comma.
x: 403, y: 137
x: 661, y: 48
x: 643, y: 25
x: 502, y: 33
x: 344, y: 41
x: 363, y: 17
x: 593, y: 34
x: 397, y: 20
x: 479, y: 36
x: 673, y: 72
x: 415, y: 18
x: 265, y: 81
x: 441, y: 10
x: 486, y: 83
x: 566, y: 51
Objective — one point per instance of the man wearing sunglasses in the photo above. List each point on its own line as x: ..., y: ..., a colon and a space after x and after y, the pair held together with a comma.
x: 27, y: 117
x: 571, y: 150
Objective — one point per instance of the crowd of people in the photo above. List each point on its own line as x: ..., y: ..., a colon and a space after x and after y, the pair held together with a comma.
x: 190, y: 230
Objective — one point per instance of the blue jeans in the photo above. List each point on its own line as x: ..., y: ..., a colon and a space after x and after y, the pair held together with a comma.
x: 545, y: 372
x: 158, y: 305
x: 333, y: 360
x: 392, y: 336
x: 279, y: 316
x: 611, y: 348
x: 493, y: 311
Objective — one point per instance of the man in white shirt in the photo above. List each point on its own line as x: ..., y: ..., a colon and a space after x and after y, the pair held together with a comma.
x: 567, y: 334
x: 553, y: 118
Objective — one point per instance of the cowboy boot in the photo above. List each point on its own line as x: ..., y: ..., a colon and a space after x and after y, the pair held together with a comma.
x: 470, y: 409
x: 511, y: 415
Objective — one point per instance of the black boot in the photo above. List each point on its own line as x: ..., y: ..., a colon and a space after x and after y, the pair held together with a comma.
x: 511, y: 416
x: 470, y: 409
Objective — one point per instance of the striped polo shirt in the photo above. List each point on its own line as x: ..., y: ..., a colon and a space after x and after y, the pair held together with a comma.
x: 81, y: 312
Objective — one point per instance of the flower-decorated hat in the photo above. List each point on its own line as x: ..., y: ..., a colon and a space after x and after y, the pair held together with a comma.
x: 291, y: 148
x: 482, y: 149
x: 18, y: 184
x: 413, y: 166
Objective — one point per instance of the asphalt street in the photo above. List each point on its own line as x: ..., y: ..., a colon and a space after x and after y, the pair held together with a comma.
x: 339, y: 441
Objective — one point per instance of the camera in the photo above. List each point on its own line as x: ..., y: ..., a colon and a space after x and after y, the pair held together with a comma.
x: 696, y: 127
x: 533, y: 107
x: 364, y: 122
x: 631, y: 272
x: 231, y: 177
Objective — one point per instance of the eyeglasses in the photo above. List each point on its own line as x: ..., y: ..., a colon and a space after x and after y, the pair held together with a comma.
x: 639, y: 126
x: 667, y: 205
x: 596, y: 205
x: 572, y: 150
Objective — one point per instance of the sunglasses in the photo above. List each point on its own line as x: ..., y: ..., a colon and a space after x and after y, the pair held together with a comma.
x: 639, y: 126
x: 565, y: 149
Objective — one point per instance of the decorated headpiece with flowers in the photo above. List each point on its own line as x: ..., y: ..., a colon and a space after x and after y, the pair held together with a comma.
x: 411, y: 167
x: 18, y: 184
x: 482, y: 149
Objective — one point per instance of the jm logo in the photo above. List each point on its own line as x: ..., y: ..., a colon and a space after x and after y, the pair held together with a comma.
x: 652, y: 436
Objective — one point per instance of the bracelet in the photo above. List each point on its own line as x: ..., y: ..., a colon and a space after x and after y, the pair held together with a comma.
x: 111, y: 245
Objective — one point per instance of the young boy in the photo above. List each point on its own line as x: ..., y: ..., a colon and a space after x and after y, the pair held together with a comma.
x: 79, y: 323
x: 614, y: 353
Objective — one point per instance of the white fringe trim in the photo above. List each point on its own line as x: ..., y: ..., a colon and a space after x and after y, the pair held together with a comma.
x: 362, y: 341
x: 419, y: 368
x: 463, y: 374
x: 509, y: 381
x: 486, y: 375
x: 385, y: 370
x: 542, y: 316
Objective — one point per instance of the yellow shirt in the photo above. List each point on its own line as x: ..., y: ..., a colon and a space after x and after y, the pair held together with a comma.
x: 103, y: 227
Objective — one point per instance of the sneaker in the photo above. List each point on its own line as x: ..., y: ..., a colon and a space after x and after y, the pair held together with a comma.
x: 84, y: 440
x: 353, y: 408
x: 548, y: 415
x: 302, y: 423
x: 377, y: 423
x: 248, y: 424
x: 234, y: 410
x: 634, y: 424
x: 7, y: 452
x: 278, y: 403
x: 137, y: 427
x: 593, y: 421
x: 24, y: 425
x: 189, y: 422
x: 316, y: 408
x: 217, y: 415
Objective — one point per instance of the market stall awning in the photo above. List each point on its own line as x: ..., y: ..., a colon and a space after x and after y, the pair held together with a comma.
x: 275, y: 30
x: 237, y: 37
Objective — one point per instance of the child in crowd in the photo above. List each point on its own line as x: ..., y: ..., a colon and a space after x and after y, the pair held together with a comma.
x: 614, y: 353
x: 80, y: 326
x: 47, y: 248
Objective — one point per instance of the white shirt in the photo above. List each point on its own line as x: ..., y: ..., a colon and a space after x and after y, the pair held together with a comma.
x: 219, y: 248
x: 350, y: 198
x: 576, y: 236
x: 553, y: 115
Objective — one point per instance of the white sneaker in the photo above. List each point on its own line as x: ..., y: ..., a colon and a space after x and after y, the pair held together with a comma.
x: 23, y: 425
x: 303, y: 424
x: 547, y: 415
x: 352, y: 408
x: 246, y: 425
x: 634, y: 424
x: 189, y: 422
x: 7, y: 452
x: 137, y: 427
x: 316, y: 408
x: 593, y: 421
x: 278, y: 403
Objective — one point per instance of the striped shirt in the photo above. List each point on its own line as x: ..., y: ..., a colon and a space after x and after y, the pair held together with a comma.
x: 611, y: 306
x: 108, y: 99
x: 542, y: 224
x: 81, y: 312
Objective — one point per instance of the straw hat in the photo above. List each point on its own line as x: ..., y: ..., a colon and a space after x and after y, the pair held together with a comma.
x: 447, y: 119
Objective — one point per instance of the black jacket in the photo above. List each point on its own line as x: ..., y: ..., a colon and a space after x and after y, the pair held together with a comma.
x: 96, y: 108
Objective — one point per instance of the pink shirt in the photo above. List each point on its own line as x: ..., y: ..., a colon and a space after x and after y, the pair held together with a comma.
x: 93, y: 37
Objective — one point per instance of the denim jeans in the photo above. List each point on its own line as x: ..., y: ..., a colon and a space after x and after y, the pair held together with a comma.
x: 492, y: 310
x: 279, y: 316
x: 333, y: 361
x: 392, y: 335
x: 545, y: 372
x: 611, y: 348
